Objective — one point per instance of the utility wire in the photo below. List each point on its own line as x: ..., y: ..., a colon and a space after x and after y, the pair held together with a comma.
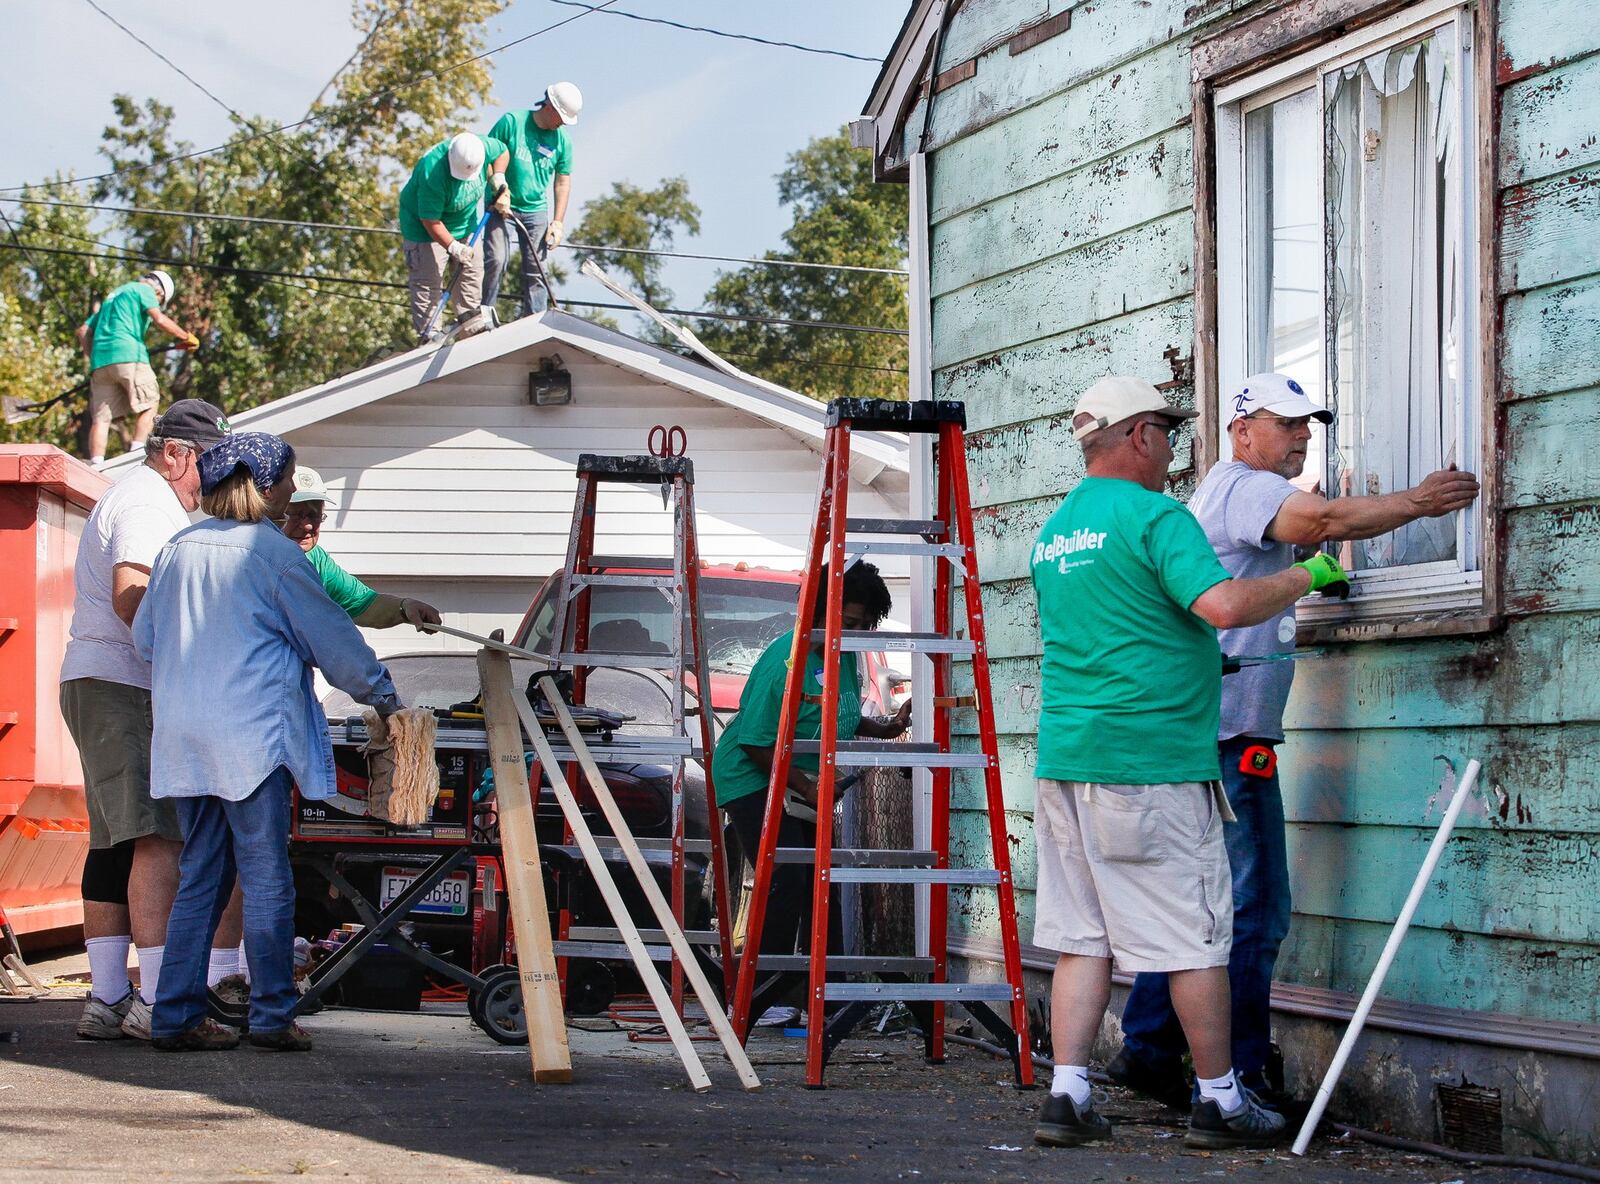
x: 179, y: 70
x: 17, y: 244
x: 388, y: 230
x: 317, y: 117
x: 131, y: 257
x: 656, y: 20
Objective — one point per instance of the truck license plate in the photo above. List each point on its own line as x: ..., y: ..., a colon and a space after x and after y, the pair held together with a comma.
x: 449, y: 897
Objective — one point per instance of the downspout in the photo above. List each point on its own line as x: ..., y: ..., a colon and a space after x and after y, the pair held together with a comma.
x: 920, y: 365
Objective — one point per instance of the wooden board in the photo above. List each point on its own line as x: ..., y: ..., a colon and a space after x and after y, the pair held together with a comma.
x: 715, y: 1014
x: 541, y: 987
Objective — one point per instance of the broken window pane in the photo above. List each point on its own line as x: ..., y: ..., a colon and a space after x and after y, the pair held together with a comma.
x: 1393, y: 240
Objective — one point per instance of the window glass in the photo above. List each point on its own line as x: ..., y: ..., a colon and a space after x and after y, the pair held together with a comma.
x: 1395, y: 274
x: 741, y: 618
x: 1283, y: 250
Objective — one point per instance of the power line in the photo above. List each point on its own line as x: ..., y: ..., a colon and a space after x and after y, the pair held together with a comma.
x: 357, y: 282
x: 317, y: 117
x: 387, y: 230
x: 61, y: 305
x: 815, y: 362
x: 179, y: 70
x: 656, y: 20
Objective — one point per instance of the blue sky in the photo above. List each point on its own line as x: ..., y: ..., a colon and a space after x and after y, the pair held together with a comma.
x: 658, y: 101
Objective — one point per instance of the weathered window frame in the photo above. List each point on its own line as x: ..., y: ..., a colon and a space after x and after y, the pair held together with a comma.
x: 1264, y: 48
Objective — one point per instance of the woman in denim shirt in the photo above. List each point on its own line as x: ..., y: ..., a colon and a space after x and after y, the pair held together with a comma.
x: 232, y: 624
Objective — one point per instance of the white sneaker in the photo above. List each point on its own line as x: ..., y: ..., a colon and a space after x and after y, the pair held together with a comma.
x: 103, y: 1021
x: 136, y: 1024
x: 778, y: 1017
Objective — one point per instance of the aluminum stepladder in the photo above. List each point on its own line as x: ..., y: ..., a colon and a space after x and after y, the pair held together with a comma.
x: 948, y: 539
x: 678, y: 580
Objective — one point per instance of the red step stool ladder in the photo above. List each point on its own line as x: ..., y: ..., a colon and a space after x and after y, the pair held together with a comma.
x: 572, y: 643
x: 921, y: 983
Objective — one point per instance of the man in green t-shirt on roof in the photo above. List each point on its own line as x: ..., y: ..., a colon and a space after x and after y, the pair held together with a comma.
x: 540, y: 175
x: 438, y: 213
x: 1128, y: 810
x: 121, y: 380
x: 308, y: 506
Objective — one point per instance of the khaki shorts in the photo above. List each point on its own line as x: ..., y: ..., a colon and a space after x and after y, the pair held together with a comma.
x: 122, y: 388
x: 1137, y: 873
x: 111, y: 724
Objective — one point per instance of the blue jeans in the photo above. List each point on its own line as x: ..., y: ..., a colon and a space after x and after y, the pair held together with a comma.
x: 222, y: 838
x: 1259, y: 859
x: 497, y: 247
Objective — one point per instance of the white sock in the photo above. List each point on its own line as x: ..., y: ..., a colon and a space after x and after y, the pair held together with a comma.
x: 97, y: 460
x: 149, y: 971
x: 108, y: 967
x: 244, y: 965
x: 221, y: 964
x: 1224, y: 1091
x: 138, y: 444
x: 1072, y: 1080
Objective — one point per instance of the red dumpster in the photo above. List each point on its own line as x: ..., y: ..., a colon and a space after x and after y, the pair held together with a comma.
x: 45, y: 498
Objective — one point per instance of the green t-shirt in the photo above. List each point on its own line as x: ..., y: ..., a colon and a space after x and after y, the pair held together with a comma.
x: 537, y: 156
x: 433, y: 194
x: 342, y: 588
x: 1132, y: 680
x: 118, y: 325
x: 760, y: 703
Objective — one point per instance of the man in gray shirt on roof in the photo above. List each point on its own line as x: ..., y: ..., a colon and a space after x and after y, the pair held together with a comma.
x: 1254, y: 519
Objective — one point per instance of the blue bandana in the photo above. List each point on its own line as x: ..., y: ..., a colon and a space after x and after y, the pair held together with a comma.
x: 266, y: 457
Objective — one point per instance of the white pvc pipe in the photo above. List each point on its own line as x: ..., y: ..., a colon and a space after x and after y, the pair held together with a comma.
x: 1390, y: 949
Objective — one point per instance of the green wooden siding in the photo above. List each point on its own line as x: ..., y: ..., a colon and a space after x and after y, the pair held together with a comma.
x: 1061, y: 249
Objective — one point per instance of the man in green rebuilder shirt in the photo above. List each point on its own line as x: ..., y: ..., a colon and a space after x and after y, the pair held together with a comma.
x: 438, y: 212
x: 121, y: 381
x: 366, y: 606
x: 540, y: 175
x: 1128, y: 809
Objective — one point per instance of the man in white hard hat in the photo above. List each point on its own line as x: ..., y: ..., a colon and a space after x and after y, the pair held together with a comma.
x: 439, y: 210
x: 1254, y: 518
x: 1128, y: 816
x: 121, y: 380
x: 308, y: 507
x: 540, y: 175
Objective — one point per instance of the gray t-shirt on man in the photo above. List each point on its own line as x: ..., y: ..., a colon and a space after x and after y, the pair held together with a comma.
x: 1235, y: 504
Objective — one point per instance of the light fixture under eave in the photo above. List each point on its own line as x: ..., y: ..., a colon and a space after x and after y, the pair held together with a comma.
x: 551, y: 384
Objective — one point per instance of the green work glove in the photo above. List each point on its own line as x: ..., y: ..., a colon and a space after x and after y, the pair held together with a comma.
x: 1325, y: 570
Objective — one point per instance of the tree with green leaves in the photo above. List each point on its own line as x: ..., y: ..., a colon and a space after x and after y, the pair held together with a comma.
x: 840, y: 217
x: 640, y: 219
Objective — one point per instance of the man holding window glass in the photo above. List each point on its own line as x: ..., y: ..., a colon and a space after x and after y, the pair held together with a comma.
x: 1254, y: 518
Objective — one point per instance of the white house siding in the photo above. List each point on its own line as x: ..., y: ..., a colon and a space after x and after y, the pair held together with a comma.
x: 460, y: 492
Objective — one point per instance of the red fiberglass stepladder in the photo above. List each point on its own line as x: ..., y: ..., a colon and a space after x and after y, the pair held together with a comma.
x: 921, y: 983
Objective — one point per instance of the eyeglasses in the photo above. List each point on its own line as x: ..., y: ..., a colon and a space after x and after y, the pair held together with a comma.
x: 297, y: 515
x: 1171, y: 433
x: 1288, y: 425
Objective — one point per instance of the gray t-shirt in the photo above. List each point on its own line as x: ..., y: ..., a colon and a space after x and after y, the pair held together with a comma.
x: 1235, y: 504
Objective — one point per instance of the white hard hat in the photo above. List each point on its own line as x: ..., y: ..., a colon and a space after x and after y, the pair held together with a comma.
x: 1120, y: 397
x: 1277, y: 393
x: 466, y: 156
x: 310, y: 487
x: 566, y: 98
x: 163, y: 283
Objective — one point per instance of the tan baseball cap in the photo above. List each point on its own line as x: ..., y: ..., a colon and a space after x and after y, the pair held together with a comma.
x: 310, y: 487
x: 1120, y: 397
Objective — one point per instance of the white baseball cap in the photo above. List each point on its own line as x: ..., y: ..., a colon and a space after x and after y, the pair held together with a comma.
x: 1120, y: 397
x: 310, y: 487
x: 1277, y: 393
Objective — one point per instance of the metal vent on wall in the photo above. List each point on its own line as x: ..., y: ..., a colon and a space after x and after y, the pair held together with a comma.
x: 1469, y: 1117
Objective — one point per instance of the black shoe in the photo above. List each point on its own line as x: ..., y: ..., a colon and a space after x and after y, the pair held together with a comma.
x: 1170, y: 1087
x: 1064, y: 1123
x: 225, y: 1011
x: 1252, y: 1126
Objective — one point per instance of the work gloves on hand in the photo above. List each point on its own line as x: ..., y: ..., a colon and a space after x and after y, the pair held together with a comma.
x: 459, y: 251
x: 553, y: 236
x: 499, y: 194
x: 1325, y: 572
x: 419, y: 613
x: 189, y: 343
